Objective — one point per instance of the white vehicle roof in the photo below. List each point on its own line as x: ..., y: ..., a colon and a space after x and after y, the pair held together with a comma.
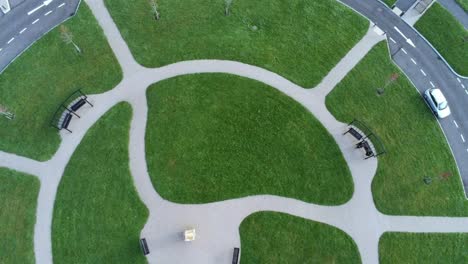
x: 438, y: 96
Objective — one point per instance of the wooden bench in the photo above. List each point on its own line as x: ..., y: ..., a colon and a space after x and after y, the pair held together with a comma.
x: 66, y: 122
x: 235, y: 256
x: 144, y: 246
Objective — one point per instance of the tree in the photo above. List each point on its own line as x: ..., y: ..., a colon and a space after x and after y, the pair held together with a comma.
x: 154, y: 9
x: 227, y: 6
x: 4, y: 112
x: 390, y: 80
x: 67, y: 37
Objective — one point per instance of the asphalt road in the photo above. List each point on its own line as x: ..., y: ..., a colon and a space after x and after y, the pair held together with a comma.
x: 18, y: 29
x: 426, y: 70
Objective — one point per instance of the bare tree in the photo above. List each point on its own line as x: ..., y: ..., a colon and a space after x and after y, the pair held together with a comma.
x: 67, y: 37
x: 154, y: 9
x: 4, y: 112
x: 390, y: 80
x: 227, y: 6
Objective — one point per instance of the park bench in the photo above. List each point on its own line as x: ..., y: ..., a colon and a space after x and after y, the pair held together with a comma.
x: 144, y: 246
x: 78, y: 105
x: 66, y: 121
x: 235, y: 256
x: 355, y: 133
x: 367, y: 148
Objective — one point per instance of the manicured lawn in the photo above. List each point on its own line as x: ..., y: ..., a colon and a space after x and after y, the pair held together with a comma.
x: 98, y: 215
x: 45, y: 75
x: 18, y: 200
x: 299, y: 39
x: 411, y: 135
x: 213, y: 137
x: 390, y: 2
x: 463, y: 4
x: 270, y: 237
x: 425, y: 248
x: 447, y: 35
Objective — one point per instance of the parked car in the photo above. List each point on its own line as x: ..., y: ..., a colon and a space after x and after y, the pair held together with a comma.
x: 437, y: 102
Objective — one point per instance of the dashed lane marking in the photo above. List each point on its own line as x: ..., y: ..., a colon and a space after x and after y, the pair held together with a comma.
x: 23, y: 30
x: 393, y: 40
x: 48, y: 13
x: 10, y: 40
x: 455, y: 122
x: 466, y: 92
x: 458, y: 79
x: 423, y: 72
x: 35, y: 21
x: 404, y: 50
x: 61, y: 5
x: 463, y: 86
x: 414, y: 61
x: 463, y: 139
x: 432, y: 84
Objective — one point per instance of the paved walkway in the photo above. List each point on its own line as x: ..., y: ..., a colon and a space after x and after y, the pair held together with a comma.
x: 217, y: 223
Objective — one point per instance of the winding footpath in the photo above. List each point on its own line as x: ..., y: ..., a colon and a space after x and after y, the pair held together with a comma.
x: 218, y: 223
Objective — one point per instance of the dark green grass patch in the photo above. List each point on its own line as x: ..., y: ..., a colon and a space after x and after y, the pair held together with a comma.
x: 428, y: 248
x: 269, y: 237
x: 299, y: 39
x: 447, y: 35
x: 18, y: 201
x: 44, y: 76
x: 416, y: 145
x: 98, y: 215
x: 213, y: 137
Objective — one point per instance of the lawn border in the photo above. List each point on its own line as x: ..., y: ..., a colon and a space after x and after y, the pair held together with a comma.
x: 438, y: 123
x: 41, y: 36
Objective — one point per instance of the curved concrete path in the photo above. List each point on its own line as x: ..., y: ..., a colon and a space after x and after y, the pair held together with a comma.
x: 217, y: 223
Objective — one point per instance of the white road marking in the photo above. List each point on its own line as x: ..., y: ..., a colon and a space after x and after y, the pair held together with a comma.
x: 458, y: 79
x: 463, y: 86
x: 432, y: 84
x: 10, y: 40
x: 414, y: 61
x: 35, y: 21
x: 35, y: 9
x: 23, y: 30
x: 461, y: 135
x: 48, y: 13
x: 403, y: 35
x: 404, y: 50
x: 1, y: 49
x: 455, y: 122
x: 466, y: 92
x: 393, y: 40
x: 61, y: 5
x: 423, y: 72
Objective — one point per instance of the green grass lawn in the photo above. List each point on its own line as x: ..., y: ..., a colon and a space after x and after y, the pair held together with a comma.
x: 463, y: 4
x: 299, y: 39
x: 270, y: 237
x: 427, y: 248
x: 45, y: 75
x: 447, y: 35
x: 18, y: 200
x: 98, y: 215
x: 390, y: 3
x: 415, y: 143
x: 213, y: 137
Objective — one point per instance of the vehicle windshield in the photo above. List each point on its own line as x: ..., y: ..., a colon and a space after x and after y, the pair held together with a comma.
x: 443, y: 105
